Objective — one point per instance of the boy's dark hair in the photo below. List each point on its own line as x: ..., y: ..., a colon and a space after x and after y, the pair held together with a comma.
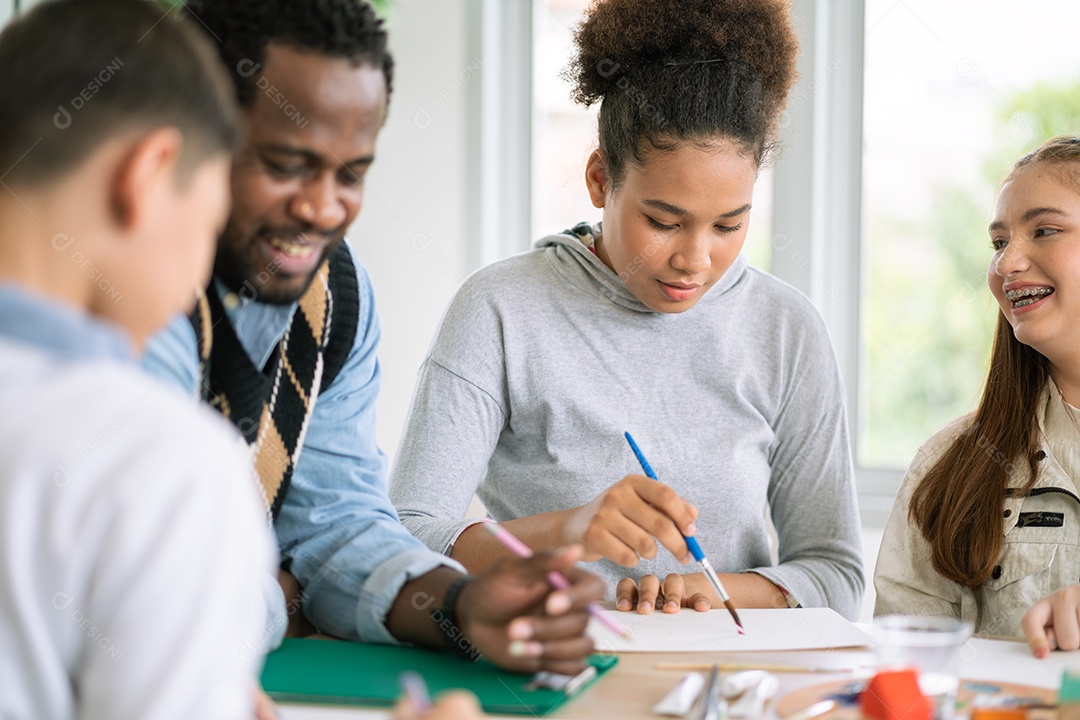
x: 74, y: 73
x: 666, y: 71
x: 347, y: 29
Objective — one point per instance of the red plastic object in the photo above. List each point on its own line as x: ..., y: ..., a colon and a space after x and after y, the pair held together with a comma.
x: 895, y: 695
x: 998, y: 714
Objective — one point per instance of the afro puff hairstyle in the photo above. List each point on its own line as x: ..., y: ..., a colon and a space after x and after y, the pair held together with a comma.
x: 667, y: 71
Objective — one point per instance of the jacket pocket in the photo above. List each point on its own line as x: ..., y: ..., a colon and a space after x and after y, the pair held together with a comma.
x: 1025, y: 574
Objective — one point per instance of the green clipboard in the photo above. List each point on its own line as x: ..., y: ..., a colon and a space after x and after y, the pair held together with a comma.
x: 335, y: 672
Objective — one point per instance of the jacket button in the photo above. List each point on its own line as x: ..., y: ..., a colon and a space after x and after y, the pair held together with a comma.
x: 1040, y: 456
x: 996, y: 574
x: 1008, y: 512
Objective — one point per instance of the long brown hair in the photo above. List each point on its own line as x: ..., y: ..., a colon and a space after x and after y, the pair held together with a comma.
x: 958, y: 505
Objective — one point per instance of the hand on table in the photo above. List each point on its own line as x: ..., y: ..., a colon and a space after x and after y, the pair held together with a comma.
x: 625, y: 521
x: 519, y: 622
x: 676, y: 592
x: 457, y: 705
x: 693, y: 590
x: 1052, y: 623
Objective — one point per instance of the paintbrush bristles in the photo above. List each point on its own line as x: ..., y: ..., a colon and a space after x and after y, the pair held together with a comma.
x: 734, y: 615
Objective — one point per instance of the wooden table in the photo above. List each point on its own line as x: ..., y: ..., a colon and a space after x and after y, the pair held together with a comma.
x: 630, y: 690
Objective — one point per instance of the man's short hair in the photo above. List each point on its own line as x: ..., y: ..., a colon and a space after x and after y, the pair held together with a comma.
x: 75, y: 73
x: 348, y: 29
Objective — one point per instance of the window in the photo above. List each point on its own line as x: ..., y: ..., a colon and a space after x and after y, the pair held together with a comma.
x: 942, y: 126
x: 564, y: 133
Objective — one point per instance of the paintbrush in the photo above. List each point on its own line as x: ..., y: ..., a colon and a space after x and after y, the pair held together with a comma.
x: 691, y: 543
x: 768, y: 667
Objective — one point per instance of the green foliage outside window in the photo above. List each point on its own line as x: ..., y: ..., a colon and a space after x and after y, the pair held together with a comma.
x: 930, y: 314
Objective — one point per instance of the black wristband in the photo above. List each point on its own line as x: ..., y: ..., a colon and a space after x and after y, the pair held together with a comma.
x: 446, y: 620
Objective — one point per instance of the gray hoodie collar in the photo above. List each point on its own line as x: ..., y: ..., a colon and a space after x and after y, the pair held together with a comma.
x: 574, y: 260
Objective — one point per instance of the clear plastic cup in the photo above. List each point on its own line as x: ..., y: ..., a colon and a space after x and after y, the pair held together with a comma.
x: 928, y: 645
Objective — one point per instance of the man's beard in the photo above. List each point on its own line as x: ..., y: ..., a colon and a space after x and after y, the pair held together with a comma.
x: 239, y: 272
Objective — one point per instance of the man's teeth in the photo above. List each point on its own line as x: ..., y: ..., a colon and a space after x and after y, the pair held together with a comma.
x: 1028, y: 295
x: 291, y: 249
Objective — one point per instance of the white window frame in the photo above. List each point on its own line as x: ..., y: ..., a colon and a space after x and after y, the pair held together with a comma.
x: 500, y: 138
x: 817, y: 207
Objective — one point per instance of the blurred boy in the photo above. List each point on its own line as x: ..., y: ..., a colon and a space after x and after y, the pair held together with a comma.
x: 131, y: 538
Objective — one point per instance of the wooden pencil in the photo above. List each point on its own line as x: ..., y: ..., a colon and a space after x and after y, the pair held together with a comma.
x: 770, y: 667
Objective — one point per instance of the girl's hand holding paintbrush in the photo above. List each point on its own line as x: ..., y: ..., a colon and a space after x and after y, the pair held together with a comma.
x: 625, y: 522
x: 762, y: 588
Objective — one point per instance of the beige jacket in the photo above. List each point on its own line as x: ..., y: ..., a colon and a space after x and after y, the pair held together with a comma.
x: 1040, y: 553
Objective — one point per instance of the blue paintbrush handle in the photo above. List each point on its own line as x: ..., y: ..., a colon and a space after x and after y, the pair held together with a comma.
x: 695, y: 549
x: 640, y: 457
x: 691, y: 543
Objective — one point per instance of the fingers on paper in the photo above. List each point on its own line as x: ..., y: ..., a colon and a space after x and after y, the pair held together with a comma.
x: 648, y: 594
x: 1067, y: 618
x: 699, y: 593
x: 1051, y: 639
x: 687, y: 595
x: 626, y: 593
x: 1054, y: 622
x: 699, y: 601
x: 674, y: 590
x: 671, y: 595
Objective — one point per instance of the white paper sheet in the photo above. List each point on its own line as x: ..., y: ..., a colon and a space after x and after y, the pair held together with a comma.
x: 997, y: 661
x: 714, y: 631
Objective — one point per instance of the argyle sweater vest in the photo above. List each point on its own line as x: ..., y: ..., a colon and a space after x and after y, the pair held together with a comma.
x: 272, y: 406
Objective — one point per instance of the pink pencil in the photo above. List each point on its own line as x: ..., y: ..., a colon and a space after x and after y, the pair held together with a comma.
x: 557, y: 579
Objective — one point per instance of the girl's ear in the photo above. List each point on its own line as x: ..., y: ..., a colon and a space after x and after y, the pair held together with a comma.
x: 596, y: 178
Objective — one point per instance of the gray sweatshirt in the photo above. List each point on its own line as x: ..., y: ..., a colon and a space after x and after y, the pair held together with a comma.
x: 545, y: 359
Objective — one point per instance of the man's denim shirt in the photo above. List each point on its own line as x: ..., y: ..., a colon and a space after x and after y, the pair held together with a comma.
x: 337, y: 525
